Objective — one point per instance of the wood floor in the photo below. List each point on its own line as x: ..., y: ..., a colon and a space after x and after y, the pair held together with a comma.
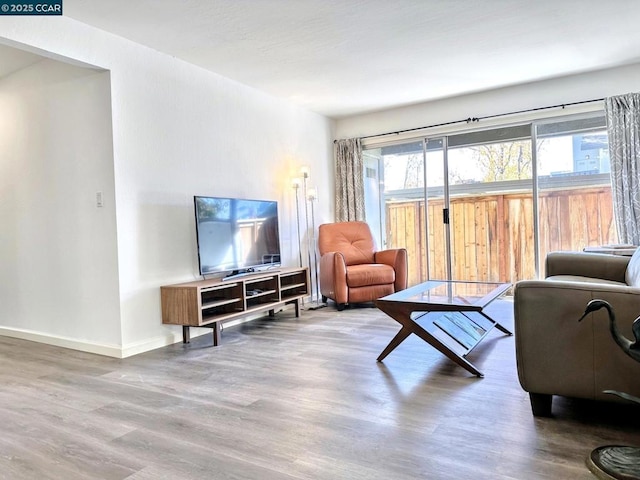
x: 289, y: 398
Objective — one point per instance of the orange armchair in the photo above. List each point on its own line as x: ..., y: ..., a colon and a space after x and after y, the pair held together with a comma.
x: 351, y: 271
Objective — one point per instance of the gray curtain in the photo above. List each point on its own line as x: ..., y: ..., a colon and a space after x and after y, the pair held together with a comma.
x: 623, y: 126
x: 349, y: 180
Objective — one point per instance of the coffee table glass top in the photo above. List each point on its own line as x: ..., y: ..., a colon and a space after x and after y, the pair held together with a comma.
x: 440, y: 292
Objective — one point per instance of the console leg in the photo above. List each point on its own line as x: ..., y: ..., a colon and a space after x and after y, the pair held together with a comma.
x: 186, y: 337
x: 272, y: 313
x: 216, y: 334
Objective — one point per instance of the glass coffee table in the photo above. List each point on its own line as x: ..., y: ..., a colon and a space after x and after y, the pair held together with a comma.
x: 448, y: 315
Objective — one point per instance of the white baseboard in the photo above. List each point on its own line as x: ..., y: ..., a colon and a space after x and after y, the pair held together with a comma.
x: 99, y: 349
x: 107, y: 350
x: 114, y: 350
x: 162, y: 341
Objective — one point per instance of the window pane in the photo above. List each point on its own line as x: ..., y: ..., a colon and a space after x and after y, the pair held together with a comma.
x: 491, y: 204
x: 394, y: 178
x: 575, y: 203
x: 570, y: 155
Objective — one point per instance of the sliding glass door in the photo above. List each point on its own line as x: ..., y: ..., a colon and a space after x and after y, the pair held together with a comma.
x: 488, y: 205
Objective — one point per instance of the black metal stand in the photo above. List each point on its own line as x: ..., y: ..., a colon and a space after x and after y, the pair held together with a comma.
x: 615, y: 462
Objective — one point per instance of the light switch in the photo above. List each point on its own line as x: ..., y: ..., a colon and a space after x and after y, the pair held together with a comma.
x: 99, y: 199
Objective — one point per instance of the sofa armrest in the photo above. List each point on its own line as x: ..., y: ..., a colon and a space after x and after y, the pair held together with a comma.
x: 396, y: 258
x: 333, y: 277
x: 581, y: 264
x: 557, y: 355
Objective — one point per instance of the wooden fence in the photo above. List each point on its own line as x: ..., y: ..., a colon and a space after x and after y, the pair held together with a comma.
x: 492, y: 235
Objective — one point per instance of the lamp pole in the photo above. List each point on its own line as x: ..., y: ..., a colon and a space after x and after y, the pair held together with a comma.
x: 305, y: 177
x: 296, y: 187
x: 312, y: 198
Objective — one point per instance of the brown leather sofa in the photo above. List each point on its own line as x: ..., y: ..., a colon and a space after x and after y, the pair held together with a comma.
x: 351, y: 271
x: 556, y: 354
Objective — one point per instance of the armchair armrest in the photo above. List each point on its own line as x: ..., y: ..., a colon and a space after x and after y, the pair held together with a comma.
x: 333, y: 277
x: 557, y: 355
x: 396, y: 258
x: 594, y: 265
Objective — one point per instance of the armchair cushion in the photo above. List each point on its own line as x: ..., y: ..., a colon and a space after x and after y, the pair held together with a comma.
x: 370, y: 274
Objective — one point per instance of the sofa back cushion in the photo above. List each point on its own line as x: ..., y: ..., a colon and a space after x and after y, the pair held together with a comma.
x: 632, y: 275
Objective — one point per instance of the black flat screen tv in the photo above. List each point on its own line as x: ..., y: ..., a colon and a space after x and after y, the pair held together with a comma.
x: 236, y: 235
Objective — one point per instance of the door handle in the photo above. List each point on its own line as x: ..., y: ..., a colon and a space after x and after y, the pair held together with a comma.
x: 445, y: 216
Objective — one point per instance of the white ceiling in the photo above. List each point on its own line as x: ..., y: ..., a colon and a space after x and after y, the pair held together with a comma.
x: 344, y: 57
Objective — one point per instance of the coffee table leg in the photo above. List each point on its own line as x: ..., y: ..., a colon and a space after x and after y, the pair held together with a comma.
x: 442, y: 348
x: 397, y: 340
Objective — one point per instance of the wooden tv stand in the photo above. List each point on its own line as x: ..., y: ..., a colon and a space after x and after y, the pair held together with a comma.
x: 209, y: 303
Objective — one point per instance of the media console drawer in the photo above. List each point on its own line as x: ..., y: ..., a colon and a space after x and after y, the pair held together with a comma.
x: 209, y: 303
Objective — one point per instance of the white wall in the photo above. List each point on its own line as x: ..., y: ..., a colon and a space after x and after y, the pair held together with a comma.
x: 179, y: 131
x: 569, y: 89
x: 59, y: 276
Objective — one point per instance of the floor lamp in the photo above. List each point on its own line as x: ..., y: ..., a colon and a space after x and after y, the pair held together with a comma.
x: 312, y: 197
x: 305, y: 177
x: 296, y: 186
x: 313, y: 267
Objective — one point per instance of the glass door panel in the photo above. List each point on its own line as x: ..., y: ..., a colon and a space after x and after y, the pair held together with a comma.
x: 437, y: 255
x: 399, y: 175
x: 574, y: 186
x: 491, y: 205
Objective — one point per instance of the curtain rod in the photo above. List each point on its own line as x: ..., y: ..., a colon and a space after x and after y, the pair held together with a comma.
x: 477, y: 119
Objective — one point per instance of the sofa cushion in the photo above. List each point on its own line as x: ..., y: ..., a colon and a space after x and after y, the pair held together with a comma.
x: 370, y: 274
x: 576, y: 278
x: 632, y: 275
